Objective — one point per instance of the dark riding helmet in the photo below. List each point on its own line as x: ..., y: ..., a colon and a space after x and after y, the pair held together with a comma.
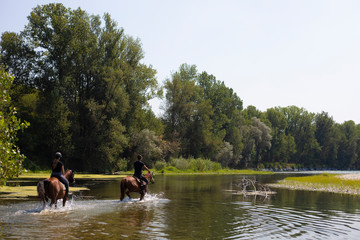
x: 58, y: 155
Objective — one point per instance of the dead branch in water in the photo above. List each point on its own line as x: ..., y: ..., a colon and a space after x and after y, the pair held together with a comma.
x: 252, y: 187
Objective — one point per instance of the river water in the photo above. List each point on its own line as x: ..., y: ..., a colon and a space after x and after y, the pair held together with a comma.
x: 185, y: 207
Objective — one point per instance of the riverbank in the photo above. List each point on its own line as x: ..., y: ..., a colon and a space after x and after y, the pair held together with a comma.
x: 46, y: 174
x: 335, y: 183
x: 175, y: 171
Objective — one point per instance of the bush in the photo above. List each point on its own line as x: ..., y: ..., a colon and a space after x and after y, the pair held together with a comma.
x: 203, y: 165
x: 159, y: 165
x: 216, y: 166
x: 121, y: 164
x: 180, y: 163
x: 171, y: 169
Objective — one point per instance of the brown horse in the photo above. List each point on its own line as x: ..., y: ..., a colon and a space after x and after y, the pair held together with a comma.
x: 130, y: 184
x: 52, y: 188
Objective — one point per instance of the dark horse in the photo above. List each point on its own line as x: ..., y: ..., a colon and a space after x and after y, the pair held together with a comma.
x: 52, y: 188
x: 130, y: 184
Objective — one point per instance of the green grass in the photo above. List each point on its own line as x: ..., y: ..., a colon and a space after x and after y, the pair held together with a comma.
x: 45, y: 174
x: 324, y: 182
x: 19, y: 192
x: 198, y: 166
x: 173, y: 170
x: 27, y: 191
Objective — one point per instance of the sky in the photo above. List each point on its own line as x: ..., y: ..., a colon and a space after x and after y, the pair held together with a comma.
x: 272, y: 53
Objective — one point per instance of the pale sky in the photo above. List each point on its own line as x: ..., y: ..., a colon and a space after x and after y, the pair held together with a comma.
x: 271, y: 53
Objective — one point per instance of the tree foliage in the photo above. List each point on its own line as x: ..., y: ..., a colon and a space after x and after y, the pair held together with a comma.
x: 10, y: 157
x: 89, y: 82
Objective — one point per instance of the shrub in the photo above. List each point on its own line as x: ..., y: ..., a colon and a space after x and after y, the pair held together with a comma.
x: 171, y: 169
x: 160, y: 165
x: 180, y: 163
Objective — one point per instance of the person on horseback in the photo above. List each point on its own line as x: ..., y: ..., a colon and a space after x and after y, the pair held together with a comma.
x: 58, y: 171
x: 138, y: 167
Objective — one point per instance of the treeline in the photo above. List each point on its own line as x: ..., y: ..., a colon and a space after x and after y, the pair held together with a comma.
x: 80, y: 82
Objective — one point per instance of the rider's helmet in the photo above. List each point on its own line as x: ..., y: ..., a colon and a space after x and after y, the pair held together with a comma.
x: 58, y: 155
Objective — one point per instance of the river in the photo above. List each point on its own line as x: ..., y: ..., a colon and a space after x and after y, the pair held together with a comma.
x: 185, y: 207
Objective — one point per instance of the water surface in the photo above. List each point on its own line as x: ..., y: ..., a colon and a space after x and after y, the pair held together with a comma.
x: 186, y: 207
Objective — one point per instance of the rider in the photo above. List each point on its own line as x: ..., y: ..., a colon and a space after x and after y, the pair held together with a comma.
x: 57, y: 168
x: 138, y: 166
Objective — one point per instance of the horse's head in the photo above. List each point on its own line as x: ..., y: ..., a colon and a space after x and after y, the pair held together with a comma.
x: 70, y: 176
x: 152, y: 177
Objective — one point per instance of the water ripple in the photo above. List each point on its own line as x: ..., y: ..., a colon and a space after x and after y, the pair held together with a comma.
x: 270, y: 222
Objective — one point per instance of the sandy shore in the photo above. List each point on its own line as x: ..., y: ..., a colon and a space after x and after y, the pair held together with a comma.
x: 351, y: 176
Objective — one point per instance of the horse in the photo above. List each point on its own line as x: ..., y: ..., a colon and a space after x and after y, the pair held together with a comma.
x: 131, y: 184
x: 52, y: 188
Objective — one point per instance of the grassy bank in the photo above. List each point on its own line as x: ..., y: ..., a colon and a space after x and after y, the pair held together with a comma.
x: 325, y: 182
x: 198, y: 166
x: 173, y: 171
x: 46, y: 174
x: 23, y: 192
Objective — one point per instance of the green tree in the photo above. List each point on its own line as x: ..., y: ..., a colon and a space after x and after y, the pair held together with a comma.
x: 348, y: 147
x: 148, y: 145
x: 89, y: 81
x: 262, y: 138
x: 283, y: 146
x: 188, y: 114
x: 226, y: 117
x: 301, y: 125
x: 10, y: 157
x: 225, y: 154
x: 327, y: 135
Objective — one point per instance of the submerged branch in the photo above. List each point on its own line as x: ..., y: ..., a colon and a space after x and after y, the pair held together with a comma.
x: 252, y: 187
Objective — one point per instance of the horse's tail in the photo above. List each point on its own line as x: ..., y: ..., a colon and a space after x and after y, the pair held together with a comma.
x: 122, y: 189
x: 41, y: 189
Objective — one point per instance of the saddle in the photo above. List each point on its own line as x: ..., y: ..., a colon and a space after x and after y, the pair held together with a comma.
x: 63, y: 186
x: 139, y: 181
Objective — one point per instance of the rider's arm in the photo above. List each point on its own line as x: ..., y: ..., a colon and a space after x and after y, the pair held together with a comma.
x: 62, y: 170
x: 146, y: 168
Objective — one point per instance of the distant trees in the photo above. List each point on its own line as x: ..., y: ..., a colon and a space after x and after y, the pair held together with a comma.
x: 310, y: 140
x: 80, y: 82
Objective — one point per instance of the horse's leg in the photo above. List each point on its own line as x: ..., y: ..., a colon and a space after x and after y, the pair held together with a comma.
x: 143, y: 192
x: 128, y: 194
x: 53, y: 200
x: 64, y: 199
x: 43, y: 202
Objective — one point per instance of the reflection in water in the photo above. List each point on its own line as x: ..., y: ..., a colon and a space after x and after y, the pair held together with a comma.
x: 186, y: 207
